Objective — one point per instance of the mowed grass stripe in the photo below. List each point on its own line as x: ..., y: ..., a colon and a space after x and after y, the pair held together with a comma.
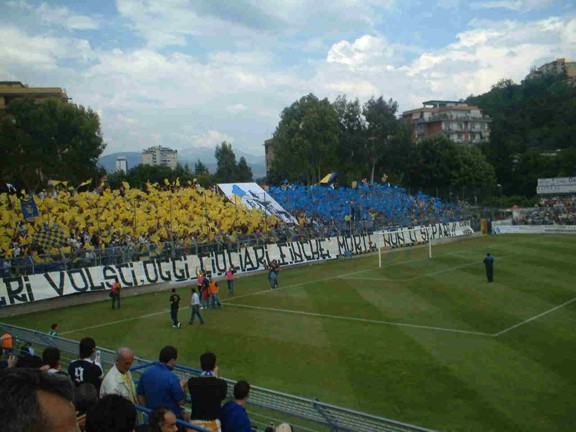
x: 521, y: 380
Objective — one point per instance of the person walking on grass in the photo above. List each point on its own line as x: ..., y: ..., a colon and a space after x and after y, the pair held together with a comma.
x: 115, y: 294
x: 489, y: 266
x: 174, y: 306
x: 195, y: 308
x: 273, y: 270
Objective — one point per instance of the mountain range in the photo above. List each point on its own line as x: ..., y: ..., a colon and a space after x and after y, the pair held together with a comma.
x: 188, y: 156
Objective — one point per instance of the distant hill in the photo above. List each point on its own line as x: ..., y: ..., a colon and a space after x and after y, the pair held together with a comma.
x: 189, y: 156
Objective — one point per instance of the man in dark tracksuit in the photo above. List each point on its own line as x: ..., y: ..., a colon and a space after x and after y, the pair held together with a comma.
x: 489, y: 265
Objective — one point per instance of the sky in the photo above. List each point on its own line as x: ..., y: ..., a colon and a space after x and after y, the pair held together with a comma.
x: 194, y: 73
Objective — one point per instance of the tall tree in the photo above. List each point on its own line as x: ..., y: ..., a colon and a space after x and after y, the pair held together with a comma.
x: 226, y: 163
x: 244, y: 172
x: 305, y: 141
x: 381, y: 125
x: 351, y: 138
x: 48, y: 138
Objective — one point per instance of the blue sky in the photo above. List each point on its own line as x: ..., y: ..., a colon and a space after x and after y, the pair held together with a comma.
x: 190, y: 73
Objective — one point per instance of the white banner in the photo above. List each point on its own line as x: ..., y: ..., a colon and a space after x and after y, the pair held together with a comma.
x: 556, y: 189
x: 535, y: 229
x: 254, y: 197
x: 557, y: 181
x: 27, y: 289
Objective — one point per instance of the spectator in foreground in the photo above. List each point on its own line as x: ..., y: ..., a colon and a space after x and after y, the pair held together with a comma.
x: 85, y: 369
x: 283, y: 427
x: 85, y: 397
x: 112, y: 413
x: 159, y: 387
x: 32, y: 400
x: 161, y: 420
x: 233, y: 416
x: 118, y: 380
x: 51, y: 361
x: 207, y: 392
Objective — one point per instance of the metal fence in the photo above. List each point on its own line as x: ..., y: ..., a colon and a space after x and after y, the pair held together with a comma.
x: 266, y: 405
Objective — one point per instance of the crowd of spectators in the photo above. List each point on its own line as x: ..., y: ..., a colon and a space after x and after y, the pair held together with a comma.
x: 556, y: 210
x: 106, y: 227
x: 375, y: 204
x: 37, y: 394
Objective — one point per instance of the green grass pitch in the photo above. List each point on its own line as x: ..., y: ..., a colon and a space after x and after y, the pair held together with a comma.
x: 422, y: 341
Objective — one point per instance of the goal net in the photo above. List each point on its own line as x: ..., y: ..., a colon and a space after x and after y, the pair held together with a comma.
x: 391, y: 242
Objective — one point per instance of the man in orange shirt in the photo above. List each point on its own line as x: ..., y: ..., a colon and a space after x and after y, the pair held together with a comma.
x: 214, y: 297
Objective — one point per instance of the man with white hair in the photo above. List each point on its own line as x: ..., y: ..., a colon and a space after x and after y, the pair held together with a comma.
x: 119, y: 379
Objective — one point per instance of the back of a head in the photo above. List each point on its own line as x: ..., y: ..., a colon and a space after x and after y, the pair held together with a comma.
x: 241, y: 390
x: 283, y: 427
x: 112, y: 413
x: 168, y: 353
x: 208, y: 361
x: 51, y: 357
x: 85, y: 397
x: 20, y: 408
x: 87, y: 346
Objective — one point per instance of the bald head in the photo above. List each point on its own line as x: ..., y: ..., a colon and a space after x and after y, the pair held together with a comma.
x: 124, y: 359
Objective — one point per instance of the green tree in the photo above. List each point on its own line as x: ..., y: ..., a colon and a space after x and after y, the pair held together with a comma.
x: 381, y: 126
x: 305, y: 141
x: 200, y: 168
x: 439, y: 162
x: 351, y: 138
x: 244, y: 172
x: 42, y: 139
x: 226, y: 169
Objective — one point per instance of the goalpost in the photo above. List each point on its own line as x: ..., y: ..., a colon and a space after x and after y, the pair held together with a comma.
x: 403, y: 239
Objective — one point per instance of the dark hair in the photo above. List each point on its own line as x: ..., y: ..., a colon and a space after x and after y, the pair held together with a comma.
x: 168, y: 353
x: 208, y: 361
x: 241, y: 390
x: 157, y: 416
x: 85, y: 397
x: 19, y: 405
x: 87, y: 346
x: 193, y: 290
x: 173, y: 290
x: 53, y: 326
x: 112, y: 413
x: 51, y: 357
x: 29, y: 361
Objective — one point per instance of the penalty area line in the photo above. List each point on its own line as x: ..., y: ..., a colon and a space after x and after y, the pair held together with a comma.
x: 362, y: 320
x: 535, y: 317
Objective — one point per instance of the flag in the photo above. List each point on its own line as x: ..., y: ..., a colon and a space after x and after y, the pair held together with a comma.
x: 51, y: 238
x: 29, y: 207
x: 10, y: 187
x: 328, y: 178
x: 237, y: 194
x: 86, y: 183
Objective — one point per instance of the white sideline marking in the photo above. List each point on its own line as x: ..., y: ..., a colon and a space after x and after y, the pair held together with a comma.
x: 365, y: 320
x: 515, y: 326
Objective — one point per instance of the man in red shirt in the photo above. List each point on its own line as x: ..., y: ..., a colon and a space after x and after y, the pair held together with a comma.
x: 115, y: 294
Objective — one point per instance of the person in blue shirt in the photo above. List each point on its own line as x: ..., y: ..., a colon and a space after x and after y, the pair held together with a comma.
x: 233, y: 415
x: 489, y: 265
x: 159, y: 387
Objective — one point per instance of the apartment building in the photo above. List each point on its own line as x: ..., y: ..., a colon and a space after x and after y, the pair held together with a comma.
x: 11, y: 90
x: 160, y: 156
x: 458, y: 121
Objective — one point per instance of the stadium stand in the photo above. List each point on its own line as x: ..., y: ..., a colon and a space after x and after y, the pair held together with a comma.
x: 75, y: 230
x: 551, y: 211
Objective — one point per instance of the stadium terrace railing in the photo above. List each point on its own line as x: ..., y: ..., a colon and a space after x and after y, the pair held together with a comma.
x: 308, y: 411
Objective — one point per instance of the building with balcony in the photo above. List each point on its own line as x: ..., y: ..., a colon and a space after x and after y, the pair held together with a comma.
x: 160, y: 156
x: 11, y: 90
x: 458, y: 121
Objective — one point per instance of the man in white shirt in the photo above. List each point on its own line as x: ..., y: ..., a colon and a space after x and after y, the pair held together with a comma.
x: 195, y: 308
x: 119, y: 379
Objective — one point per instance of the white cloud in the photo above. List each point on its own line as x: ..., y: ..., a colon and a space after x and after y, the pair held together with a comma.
x: 236, y: 108
x: 61, y: 15
x: 363, y: 51
x: 211, y: 138
x: 514, y: 5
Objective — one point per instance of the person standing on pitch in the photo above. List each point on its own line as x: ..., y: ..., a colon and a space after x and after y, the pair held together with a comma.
x: 195, y: 308
x: 230, y: 280
x: 489, y: 265
x: 174, y: 306
x: 115, y: 294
